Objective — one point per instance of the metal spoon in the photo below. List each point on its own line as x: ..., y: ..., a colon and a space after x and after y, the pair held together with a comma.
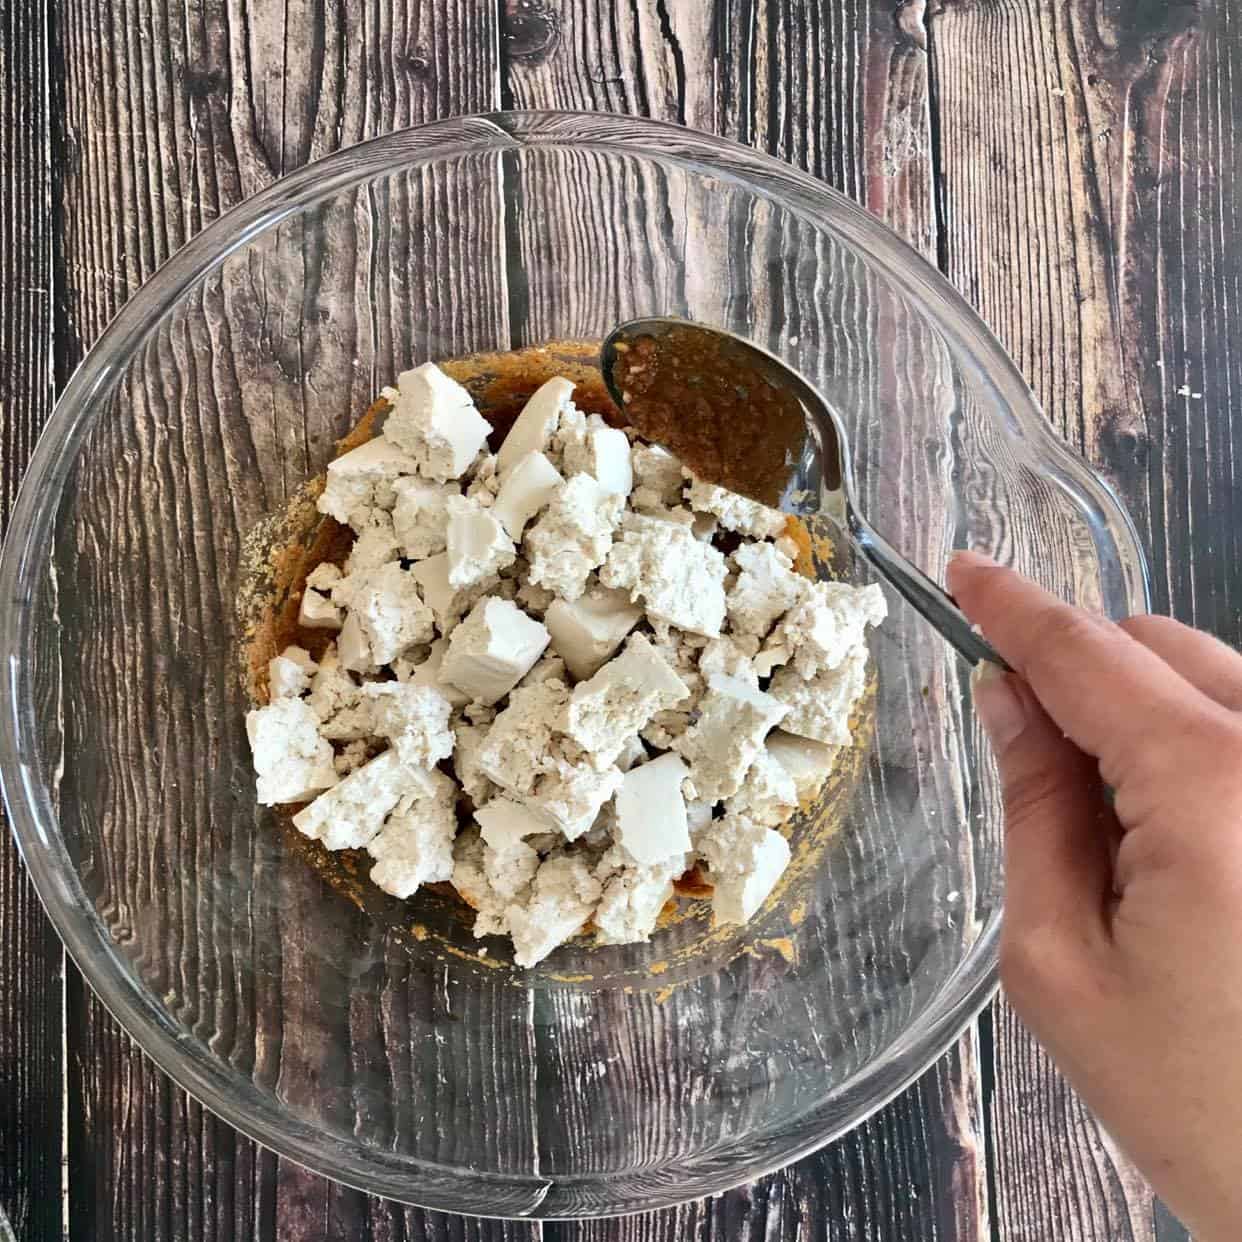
x: 739, y: 417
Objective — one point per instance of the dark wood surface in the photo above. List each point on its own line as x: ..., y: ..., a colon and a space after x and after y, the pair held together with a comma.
x: 1070, y: 166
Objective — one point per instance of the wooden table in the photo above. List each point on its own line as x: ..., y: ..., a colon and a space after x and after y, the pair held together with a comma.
x: 1071, y: 166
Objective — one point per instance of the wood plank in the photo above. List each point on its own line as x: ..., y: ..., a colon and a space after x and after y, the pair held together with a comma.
x: 840, y: 89
x: 173, y: 114
x: 31, y: 959
x: 1089, y: 186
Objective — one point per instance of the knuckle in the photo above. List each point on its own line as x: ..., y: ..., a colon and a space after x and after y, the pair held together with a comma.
x: 1029, y: 796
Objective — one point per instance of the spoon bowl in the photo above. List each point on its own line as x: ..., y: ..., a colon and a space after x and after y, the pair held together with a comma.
x: 739, y: 417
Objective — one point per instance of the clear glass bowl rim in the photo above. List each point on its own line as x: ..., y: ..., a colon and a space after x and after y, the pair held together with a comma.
x: 29, y: 803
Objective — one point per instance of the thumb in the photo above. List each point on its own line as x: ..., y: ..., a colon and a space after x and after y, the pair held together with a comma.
x: 1058, y: 867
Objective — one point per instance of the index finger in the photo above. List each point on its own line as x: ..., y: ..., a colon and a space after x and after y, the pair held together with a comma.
x: 1113, y: 697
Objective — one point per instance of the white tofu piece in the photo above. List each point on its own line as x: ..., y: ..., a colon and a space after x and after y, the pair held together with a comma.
x: 490, y: 881
x: 428, y: 673
x: 808, y: 763
x: 415, y: 719
x: 658, y: 477
x: 292, y: 762
x: 632, y: 754
x: 534, y: 426
x: 563, y: 897
x: 376, y: 545
x: 474, y: 781
x: 359, y: 485
x: 484, y: 479
x: 548, y: 667
x: 678, y: 578
x: 420, y: 517
x: 434, y: 420
x: 606, y: 711
x: 734, y: 719
x: 324, y: 577
x: 585, y: 632
x: 477, y: 545
x: 745, y: 860
x: 492, y: 650
x: 768, y: 794
x: 736, y: 513
x: 568, y: 796
x: 448, y: 604
x: 352, y: 812
x: 573, y: 536
x: 732, y: 656
x: 704, y: 526
x: 289, y: 674
x: 829, y: 621
x: 529, y: 486
x: 651, y: 811
x: 765, y: 588
x: 390, y: 617
x: 698, y: 819
x: 633, y: 897
x: 318, y: 612
x: 820, y: 708
x: 517, y: 749
x: 337, y: 700
x: 415, y: 845
x: 601, y: 451
x: 504, y: 822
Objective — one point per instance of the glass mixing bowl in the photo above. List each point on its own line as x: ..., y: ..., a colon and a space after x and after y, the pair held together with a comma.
x: 379, y: 1047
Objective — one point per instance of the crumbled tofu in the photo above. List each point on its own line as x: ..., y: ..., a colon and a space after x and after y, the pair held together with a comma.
x: 820, y: 708
x: 317, y: 611
x: 601, y: 451
x: 390, y: 617
x: 828, y: 622
x: 504, y: 822
x: 478, y: 547
x: 765, y: 588
x: 568, y: 796
x: 376, y: 545
x: 607, y: 710
x: 292, y: 762
x: 352, y: 812
x: 359, y: 486
x: 734, y: 718
x: 573, y: 536
x: 768, y: 794
x: 529, y: 486
x: 434, y: 420
x: 679, y: 579
x: 658, y: 477
x: 651, y: 811
x: 587, y: 631
x: 745, y: 860
x: 448, y: 603
x: 632, y: 898
x: 420, y: 517
x: 736, y: 513
x: 563, y: 897
x: 414, y: 719
x: 491, y: 881
x: 289, y: 674
x: 808, y: 763
x: 473, y: 780
x: 534, y: 426
x: 517, y: 748
x: 337, y: 700
x: 415, y: 845
x: 552, y: 637
x: 492, y: 650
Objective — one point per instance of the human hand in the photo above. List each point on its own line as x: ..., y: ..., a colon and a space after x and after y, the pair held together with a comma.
x: 1121, y: 943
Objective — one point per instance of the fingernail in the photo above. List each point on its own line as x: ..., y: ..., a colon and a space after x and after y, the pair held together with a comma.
x: 998, y: 703
x: 963, y: 559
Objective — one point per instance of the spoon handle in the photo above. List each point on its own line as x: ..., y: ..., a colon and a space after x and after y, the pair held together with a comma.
x: 928, y: 599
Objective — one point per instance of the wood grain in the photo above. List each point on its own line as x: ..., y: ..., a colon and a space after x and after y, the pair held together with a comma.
x: 31, y: 959
x: 1091, y: 236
